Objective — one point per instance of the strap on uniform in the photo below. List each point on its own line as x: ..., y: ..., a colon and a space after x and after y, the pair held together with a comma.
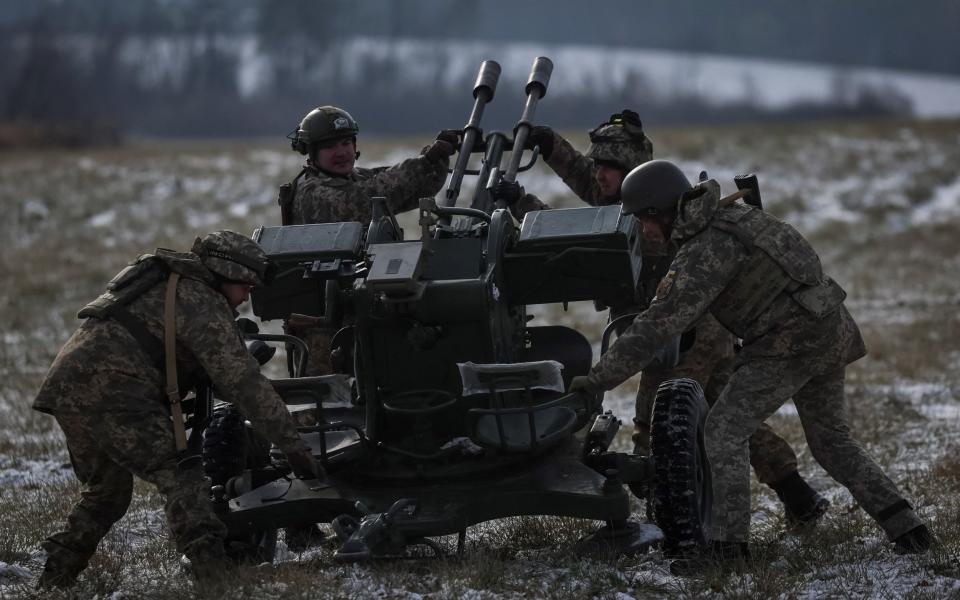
x: 727, y: 200
x: 743, y: 236
x: 170, y: 350
x: 288, y: 192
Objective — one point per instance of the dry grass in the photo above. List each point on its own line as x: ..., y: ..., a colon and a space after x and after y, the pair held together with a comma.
x: 74, y: 219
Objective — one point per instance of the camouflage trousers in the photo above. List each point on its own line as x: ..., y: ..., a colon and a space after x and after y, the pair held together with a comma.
x: 106, y: 451
x: 709, y: 362
x: 756, y: 390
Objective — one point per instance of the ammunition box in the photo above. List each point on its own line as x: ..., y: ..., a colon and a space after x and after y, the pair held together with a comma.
x: 294, y: 248
x: 573, y: 254
x: 395, y: 267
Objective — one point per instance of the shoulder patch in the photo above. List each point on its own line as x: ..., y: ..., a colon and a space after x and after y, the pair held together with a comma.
x: 666, y: 284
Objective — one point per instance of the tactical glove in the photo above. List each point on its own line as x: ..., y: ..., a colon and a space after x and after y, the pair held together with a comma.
x: 451, y: 136
x: 508, y: 192
x: 439, y: 151
x: 542, y: 136
x: 305, y: 466
x: 582, y: 385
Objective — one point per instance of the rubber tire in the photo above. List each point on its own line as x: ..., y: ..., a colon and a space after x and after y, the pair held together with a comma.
x: 682, y: 492
x: 224, y: 449
x: 229, y: 447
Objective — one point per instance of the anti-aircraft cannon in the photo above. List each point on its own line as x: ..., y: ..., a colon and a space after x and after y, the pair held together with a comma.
x: 458, y: 414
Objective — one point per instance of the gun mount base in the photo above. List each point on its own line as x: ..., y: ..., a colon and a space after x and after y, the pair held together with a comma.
x: 557, y: 483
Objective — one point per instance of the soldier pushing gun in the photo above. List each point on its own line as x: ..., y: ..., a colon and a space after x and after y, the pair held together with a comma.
x: 617, y: 146
x: 760, y: 279
x: 115, y: 388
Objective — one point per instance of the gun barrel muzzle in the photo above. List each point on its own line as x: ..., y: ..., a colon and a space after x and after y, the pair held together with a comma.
x: 539, y: 76
x: 487, y: 79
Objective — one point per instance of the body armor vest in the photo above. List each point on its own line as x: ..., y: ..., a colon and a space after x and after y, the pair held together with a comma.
x: 126, y: 286
x: 132, y: 282
x: 780, y: 261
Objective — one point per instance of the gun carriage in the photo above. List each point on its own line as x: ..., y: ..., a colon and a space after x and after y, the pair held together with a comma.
x: 457, y: 412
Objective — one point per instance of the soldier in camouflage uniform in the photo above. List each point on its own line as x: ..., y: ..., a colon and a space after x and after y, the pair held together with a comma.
x: 761, y: 279
x: 707, y: 349
x: 616, y: 147
x: 106, y: 389
x: 330, y: 189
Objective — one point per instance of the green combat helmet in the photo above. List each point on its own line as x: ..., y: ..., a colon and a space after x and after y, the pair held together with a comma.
x: 234, y: 257
x: 654, y: 188
x: 322, y: 124
x: 621, y: 142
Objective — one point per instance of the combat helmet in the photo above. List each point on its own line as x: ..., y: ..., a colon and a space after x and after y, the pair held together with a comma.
x: 621, y: 141
x: 234, y: 257
x: 322, y: 124
x: 654, y: 188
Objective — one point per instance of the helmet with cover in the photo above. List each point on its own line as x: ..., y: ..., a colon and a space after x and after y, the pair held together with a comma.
x: 234, y: 257
x: 620, y: 142
x: 322, y: 124
x: 653, y: 189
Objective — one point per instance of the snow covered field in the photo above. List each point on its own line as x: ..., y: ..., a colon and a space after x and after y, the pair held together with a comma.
x: 880, y: 201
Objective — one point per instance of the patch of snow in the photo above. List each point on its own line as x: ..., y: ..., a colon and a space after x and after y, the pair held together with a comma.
x: 32, y: 472
x: 724, y: 79
x: 13, y: 573
x: 35, y: 209
x: 103, y: 219
x: 922, y: 392
x: 944, y: 206
x: 253, y: 67
x: 239, y: 209
x: 204, y: 220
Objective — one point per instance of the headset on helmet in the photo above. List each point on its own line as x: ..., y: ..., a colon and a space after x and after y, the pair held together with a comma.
x: 322, y: 124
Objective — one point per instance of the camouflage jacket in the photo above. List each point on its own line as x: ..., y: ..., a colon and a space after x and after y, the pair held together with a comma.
x: 102, y: 367
x: 709, y: 259
x: 576, y: 170
x: 322, y: 198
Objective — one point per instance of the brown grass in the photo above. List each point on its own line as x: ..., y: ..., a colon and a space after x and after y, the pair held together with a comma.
x: 903, y: 291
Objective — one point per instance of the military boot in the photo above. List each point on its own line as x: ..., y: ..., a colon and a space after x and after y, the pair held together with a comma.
x: 716, y: 555
x: 916, y: 541
x: 209, y: 566
x: 803, y: 505
x: 62, y: 568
